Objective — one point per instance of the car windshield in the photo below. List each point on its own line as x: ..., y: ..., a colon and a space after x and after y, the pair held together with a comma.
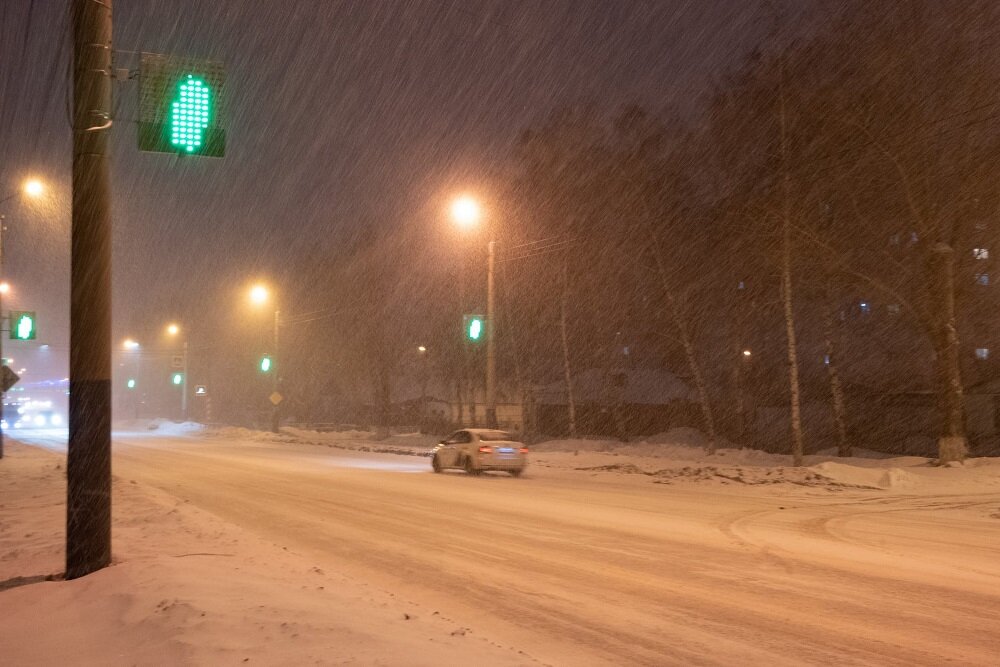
x: 494, y: 436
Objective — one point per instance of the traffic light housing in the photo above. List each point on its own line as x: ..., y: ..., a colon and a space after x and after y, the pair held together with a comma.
x: 474, y: 328
x: 266, y: 364
x: 182, y: 105
x: 177, y: 379
x: 22, y: 325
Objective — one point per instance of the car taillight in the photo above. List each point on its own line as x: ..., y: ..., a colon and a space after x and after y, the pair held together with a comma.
x: 524, y: 450
x: 485, y: 449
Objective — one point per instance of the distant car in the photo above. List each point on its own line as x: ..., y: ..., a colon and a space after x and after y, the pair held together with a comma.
x: 40, y: 419
x: 476, y: 450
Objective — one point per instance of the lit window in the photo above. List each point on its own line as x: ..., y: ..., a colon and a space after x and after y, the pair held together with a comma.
x: 982, y: 353
x: 983, y: 279
x: 981, y: 253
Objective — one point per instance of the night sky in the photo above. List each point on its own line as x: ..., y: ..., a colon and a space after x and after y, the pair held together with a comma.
x: 343, y: 116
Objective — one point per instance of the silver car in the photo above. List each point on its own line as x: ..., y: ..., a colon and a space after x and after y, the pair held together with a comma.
x: 476, y: 450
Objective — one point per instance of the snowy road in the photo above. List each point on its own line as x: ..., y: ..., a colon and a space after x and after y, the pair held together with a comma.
x: 581, y: 568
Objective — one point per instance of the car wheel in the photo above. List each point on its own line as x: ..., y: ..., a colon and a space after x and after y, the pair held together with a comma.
x: 516, y: 472
x: 470, y: 467
x: 436, y: 463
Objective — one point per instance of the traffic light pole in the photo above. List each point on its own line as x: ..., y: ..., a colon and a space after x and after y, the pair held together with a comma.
x: 184, y: 386
x: 491, y: 346
x: 88, y: 463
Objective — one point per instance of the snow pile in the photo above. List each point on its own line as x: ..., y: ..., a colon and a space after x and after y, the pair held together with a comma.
x: 163, y: 426
x: 678, y: 456
x: 409, y: 444
x: 876, y: 478
x: 246, y: 434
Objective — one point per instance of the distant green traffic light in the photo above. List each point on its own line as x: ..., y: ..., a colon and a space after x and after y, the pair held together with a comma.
x: 475, y: 328
x: 265, y: 364
x: 22, y: 325
x: 131, y: 383
x: 178, y: 378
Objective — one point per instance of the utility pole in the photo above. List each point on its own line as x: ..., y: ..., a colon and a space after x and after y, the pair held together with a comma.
x: 88, y: 466
x: 491, y: 345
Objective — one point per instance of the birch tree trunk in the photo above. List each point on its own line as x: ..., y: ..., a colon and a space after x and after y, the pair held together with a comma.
x: 836, y: 390
x: 564, y: 296
x: 953, y: 443
x: 694, y: 368
x: 786, y: 295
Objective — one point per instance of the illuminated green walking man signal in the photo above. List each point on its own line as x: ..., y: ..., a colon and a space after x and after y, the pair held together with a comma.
x: 22, y: 325
x: 190, y: 113
x: 182, y: 105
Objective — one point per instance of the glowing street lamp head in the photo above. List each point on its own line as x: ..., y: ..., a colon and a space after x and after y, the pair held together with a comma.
x: 258, y: 294
x: 173, y: 329
x: 33, y: 187
x: 465, y: 211
x: 130, y: 344
x: 747, y: 353
x: 422, y: 348
x: 4, y: 287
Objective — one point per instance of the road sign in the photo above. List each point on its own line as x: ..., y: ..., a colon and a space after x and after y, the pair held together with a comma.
x: 200, y: 390
x: 177, y: 361
x: 276, y: 398
x: 9, y: 378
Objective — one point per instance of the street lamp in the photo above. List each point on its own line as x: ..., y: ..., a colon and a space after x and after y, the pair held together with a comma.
x: 32, y: 188
x: 173, y: 330
x: 260, y: 295
x: 466, y: 213
x: 424, y: 376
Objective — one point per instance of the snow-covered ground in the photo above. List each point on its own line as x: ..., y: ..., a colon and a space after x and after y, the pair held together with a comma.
x: 331, y: 548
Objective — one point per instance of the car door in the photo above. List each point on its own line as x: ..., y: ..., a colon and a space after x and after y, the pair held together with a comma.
x: 466, y: 440
x: 448, y: 455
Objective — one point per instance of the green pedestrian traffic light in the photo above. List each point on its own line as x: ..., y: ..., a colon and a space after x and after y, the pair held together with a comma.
x: 131, y: 383
x: 177, y: 378
x: 190, y: 113
x: 22, y: 325
x: 182, y: 105
x: 475, y: 328
x: 265, y: 364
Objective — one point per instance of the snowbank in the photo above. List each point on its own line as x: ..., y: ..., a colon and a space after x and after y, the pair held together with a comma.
x: 164, y: 426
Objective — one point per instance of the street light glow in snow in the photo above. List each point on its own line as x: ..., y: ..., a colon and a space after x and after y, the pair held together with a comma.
x: 465, y: 211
